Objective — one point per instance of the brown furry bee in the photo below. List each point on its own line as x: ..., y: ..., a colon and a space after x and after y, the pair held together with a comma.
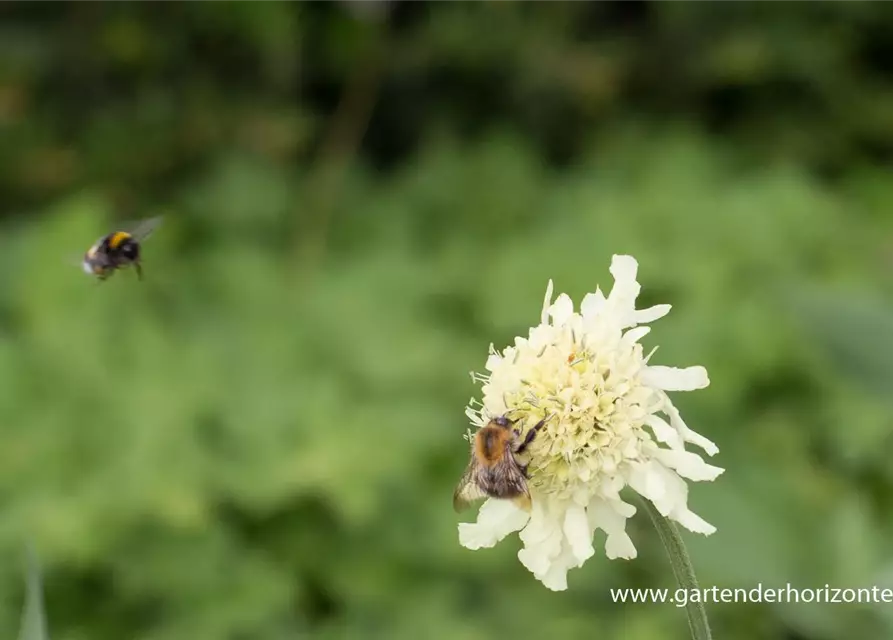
x: 118, y: 249
x: 494, y: 471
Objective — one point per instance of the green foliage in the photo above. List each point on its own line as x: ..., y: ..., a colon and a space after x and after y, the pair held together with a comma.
x: 857, y: 335
x: 261, y: 439
x: 149, y: 95
x: 240, y: 446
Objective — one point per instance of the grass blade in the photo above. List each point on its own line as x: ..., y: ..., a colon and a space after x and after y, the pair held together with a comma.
x: 34, y: 624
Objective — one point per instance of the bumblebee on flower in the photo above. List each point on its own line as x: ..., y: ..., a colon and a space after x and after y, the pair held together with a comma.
x: 581, y: 396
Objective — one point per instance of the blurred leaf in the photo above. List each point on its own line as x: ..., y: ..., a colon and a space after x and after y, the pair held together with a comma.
x: 276, y: 443
x: 854, y: 332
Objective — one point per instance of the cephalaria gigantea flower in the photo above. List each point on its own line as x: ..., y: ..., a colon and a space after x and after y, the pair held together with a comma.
x: 610, y: 424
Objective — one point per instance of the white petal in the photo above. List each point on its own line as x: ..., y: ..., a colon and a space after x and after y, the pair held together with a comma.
x: 578, y: 533
x: 540, y: 527
x: 664, y: 432
x: 535, y: 560
x: 547, y: 302
x: 672, y: 504
x: 626, y: 289
x: 554, y: 541
x: 605, y: 516
x: 493, y: 361
x: 540, y: 336
x: 496, y: 519
x: 620, y: 546
x: 688, y: 465
x: 687, y: 434
x: 647, y: 480
x: 658, y: 311
x: 675, y: 379
x: 555, y: 577
x: 592, y: 304
x: 693, y: 522
x: 561, y: 310
x: 625, y: 509
x: 542, y: 539
x: 610, y: 489
x: 634, y: 335
x: 624, y: 269
x: 675, y: 492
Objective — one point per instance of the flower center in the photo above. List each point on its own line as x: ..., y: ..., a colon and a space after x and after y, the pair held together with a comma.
x: 595, y: 412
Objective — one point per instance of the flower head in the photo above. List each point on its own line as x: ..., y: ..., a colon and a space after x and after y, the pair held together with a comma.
x: 586, y: 373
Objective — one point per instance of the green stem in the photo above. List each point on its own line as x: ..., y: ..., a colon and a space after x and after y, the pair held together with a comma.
x: 682, y: 568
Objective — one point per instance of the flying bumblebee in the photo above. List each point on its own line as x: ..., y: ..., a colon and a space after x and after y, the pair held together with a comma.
x: 119, y: 249
x: 493, y: 470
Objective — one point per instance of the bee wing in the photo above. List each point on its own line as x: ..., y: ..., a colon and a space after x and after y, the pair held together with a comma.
x: 467, y: 491
x: 142, y: 229
x: 514, y: 481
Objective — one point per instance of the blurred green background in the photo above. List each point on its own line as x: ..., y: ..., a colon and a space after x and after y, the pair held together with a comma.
x: 261, y: 440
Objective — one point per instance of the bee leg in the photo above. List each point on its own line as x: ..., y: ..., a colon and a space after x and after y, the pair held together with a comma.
x: 138, y: 269
x: 531, y: 435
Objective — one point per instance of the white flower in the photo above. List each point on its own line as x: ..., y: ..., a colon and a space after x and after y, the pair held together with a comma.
x: 587, y: 371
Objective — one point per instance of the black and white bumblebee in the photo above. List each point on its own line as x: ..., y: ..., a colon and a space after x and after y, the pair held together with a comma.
x: 119, y: 249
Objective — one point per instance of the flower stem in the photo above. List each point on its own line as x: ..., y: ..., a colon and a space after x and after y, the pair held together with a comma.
x: 682, y: 568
